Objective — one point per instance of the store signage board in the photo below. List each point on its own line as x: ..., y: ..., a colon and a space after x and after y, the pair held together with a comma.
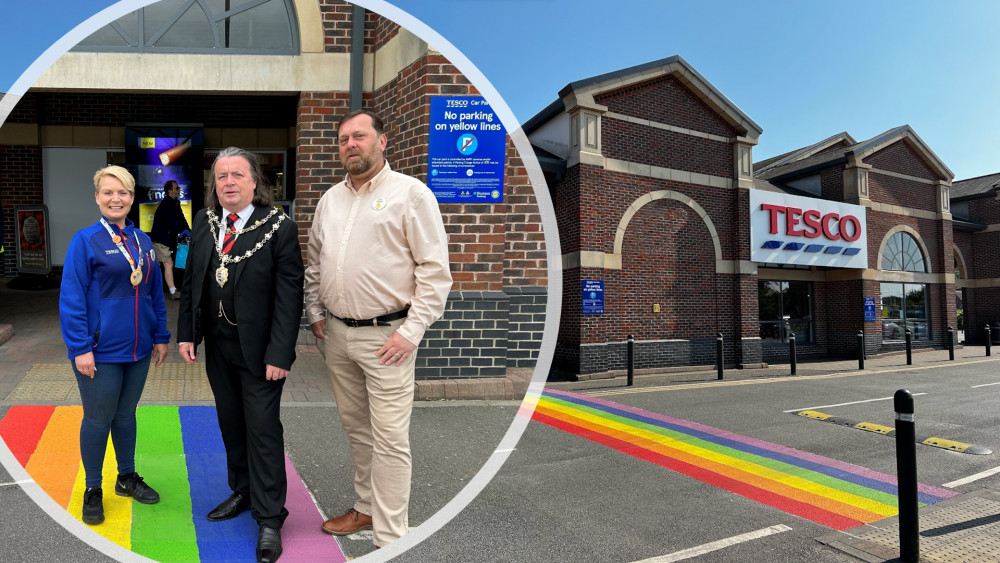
x: 788, y: 229
x: 32, y: 224
x: 869, y: 309
x: 593, y: 297
x: 466, y: 153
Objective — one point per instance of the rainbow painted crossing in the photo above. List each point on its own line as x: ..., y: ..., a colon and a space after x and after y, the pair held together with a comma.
x: 180, y: 453
x: 826, y: 491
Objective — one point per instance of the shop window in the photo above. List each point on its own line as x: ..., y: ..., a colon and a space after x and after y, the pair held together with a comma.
x: 904, y: 306
x: 202, y: 26
x: 784, y: 304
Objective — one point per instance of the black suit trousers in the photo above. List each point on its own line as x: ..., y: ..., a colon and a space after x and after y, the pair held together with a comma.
x: 247, y: 405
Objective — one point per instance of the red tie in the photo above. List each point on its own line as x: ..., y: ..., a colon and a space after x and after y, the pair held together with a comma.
x: 230, y: 238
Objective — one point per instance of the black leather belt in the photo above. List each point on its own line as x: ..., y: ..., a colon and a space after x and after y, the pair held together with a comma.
x: 383, y: 320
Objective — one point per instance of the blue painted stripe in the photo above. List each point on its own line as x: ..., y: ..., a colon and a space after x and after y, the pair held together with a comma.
x: 747, y: 448
x: 852, y: 251
x: 231, y: 540
x: 815, y: 247
x: 833, y: 250
x: 794, y: 246
x: 771, y: 244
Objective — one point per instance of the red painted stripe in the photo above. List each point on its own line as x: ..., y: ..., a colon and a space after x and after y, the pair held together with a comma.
x: 791, y: 506
x: 22, y: 428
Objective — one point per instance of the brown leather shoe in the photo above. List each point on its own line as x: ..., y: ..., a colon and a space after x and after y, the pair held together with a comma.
x: 350, y: 522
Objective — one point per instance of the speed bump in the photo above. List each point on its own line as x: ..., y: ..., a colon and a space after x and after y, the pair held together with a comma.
x: 942, y: 443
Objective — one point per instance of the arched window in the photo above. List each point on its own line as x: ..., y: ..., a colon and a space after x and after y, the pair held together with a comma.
x: 201, y: 26
x: 904, y: 305
x: 902, y: 253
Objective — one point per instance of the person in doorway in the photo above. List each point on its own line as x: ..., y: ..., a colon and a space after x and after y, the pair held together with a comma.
x: 243, y: 294
x: 114, y: 322
x: 378, y: 263
x: 168, y: 223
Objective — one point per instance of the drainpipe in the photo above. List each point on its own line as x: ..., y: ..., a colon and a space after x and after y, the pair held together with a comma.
x: 357, y: 56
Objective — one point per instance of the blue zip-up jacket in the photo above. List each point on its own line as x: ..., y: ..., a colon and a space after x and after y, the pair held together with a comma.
x: 99, y: 309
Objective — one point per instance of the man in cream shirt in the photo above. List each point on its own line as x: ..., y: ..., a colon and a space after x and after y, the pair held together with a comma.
x: 378, y: 266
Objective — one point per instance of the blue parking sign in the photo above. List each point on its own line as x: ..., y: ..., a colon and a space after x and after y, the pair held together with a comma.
x: 467, y: 151
x: 593, y: 297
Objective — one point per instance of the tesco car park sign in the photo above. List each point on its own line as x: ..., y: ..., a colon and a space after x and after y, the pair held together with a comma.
x: 788, y: 229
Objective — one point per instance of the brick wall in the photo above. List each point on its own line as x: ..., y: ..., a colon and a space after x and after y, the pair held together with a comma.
x: 904, y: 193
x: 20, y: 184
x: 337, y: 24
x: 666, y: 100
x: 632, y: 142
x: 900, y: 157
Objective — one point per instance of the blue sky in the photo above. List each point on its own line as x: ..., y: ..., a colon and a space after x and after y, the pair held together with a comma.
x: 803, y: 70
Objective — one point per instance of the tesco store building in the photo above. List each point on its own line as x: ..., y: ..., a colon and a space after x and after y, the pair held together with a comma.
x: 671, y: 233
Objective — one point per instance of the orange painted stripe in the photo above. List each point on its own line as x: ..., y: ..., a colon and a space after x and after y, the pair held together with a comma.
x: 819, y: 501
x: 56, y: 460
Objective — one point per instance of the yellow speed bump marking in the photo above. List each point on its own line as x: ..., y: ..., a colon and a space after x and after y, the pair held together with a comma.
x: 872, y: 427
x: 946, y: 444
x: 942, y: 443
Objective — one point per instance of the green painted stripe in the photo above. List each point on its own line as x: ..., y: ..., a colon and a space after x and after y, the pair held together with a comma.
x: 780, y: 466
x: 163, y: 531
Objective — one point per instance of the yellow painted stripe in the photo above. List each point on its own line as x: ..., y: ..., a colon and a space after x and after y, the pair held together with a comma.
x: 947, y: 444
x: 872, y: 427
x: 741, y: 464
x: 117, y: 525
x: 814, y: 414
x: 56, y: 459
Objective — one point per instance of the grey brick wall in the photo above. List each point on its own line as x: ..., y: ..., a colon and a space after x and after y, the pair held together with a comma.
x: 598, y: 358
x: 526, y: 323
x: 470, y: 339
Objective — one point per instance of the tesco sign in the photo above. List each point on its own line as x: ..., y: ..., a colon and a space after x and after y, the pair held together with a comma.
x: 788, y: 229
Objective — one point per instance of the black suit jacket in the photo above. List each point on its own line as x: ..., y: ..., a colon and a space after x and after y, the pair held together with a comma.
x: 267, y: 289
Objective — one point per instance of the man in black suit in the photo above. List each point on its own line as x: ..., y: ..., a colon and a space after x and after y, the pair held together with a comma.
x: 243, y: 294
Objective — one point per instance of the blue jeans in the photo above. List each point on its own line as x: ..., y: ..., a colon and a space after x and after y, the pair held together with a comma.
x: 109, y: 401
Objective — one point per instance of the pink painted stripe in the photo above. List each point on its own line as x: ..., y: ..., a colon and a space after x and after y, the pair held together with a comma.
x: 844, y: 466
x: 302, y: 536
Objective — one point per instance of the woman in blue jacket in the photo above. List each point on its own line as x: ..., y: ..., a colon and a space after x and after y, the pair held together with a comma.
x: 114, y: 321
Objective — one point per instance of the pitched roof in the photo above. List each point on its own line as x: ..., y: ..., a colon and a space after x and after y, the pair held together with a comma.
x: 826, y: 153
x: 975, y: 187
x: 584, y: 90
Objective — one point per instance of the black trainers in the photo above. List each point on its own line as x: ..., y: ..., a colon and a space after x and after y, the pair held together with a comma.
x: 93, y: 506
x: 133, y: 486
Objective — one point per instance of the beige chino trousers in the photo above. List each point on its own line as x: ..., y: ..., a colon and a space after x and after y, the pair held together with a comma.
x: 374, y: 403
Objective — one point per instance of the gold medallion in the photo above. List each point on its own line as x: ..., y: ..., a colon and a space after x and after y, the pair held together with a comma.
x: 116, y: 239
x: 136, y: 277
x: 222, y: 276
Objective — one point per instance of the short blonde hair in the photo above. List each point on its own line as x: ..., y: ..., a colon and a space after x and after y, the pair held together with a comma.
x: 118, y: 172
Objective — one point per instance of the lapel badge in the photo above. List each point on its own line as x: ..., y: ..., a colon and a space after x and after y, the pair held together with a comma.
x: 378, y: 204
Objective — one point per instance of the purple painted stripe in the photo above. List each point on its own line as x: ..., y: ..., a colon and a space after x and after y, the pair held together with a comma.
x: 302, y: 536
x: 848, y: 467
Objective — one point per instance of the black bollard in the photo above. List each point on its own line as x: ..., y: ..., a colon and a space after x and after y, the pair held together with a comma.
x: 909, y: 347
x: 631, y: 360
x: 906, y: 477
x: 861, y: 349
x: 791, y: 347
x: 951, y: 343
x: 988, y: 340
x: 718, y: 355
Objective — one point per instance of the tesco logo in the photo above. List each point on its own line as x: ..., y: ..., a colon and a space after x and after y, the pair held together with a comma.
x: 812, y: 223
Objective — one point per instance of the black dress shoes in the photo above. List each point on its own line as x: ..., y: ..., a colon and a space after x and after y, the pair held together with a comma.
x: 268, y: 544
x: 231, y: 507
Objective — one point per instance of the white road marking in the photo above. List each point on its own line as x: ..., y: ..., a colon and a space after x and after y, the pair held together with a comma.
x: 716, y: 545
x: 985, y: 385
x: 972, y: 478
x: 12, y: 483
x: 845, y: 404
